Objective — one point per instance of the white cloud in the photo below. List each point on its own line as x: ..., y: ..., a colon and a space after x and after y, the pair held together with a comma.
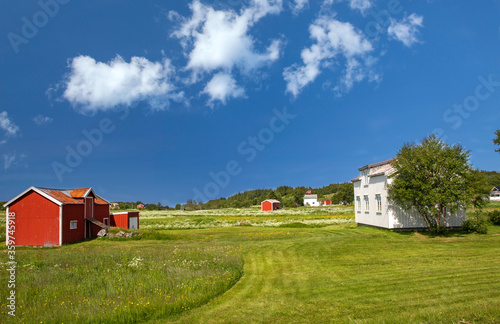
x: 332, y: 39
x: 361, y: 5
x: 406, y: 30
x: 97, y: 86
x: 7, y: 125
x: 42, y: 120
x: 299, y: 5
x: 8, y: 159
x: 221, y: 87
x: 219, y: 39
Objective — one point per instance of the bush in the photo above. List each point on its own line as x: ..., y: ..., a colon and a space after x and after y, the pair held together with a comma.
x: 494, y: 217
x: 473, y: 226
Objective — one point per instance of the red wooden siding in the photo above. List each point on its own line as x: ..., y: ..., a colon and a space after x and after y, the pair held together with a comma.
x: 37, y: 220
x: 72, y: 213
x: 122, y: 219
x: 270, y: 206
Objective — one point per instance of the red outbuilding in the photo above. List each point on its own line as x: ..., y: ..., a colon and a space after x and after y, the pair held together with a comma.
x: 326, y: 202
x: 53, y: 217
x: 129, y: 220
x: 270, y: 205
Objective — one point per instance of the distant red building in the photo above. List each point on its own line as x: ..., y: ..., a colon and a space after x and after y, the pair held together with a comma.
x: 53, y: 217
x: 140, y: 206
x: 270, y: 205
x: 326, y: 202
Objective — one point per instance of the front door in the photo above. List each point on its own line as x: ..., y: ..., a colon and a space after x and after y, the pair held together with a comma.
x: 89, y: 207
x: 89, y: 213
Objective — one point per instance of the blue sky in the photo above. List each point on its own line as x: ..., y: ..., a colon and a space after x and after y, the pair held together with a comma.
x: 165, y: 101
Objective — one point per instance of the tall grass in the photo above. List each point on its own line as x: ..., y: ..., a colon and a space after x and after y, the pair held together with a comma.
x: 118, y: 282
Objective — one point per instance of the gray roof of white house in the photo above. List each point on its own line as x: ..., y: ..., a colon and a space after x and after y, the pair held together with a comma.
x: 311, y: 197
x: 376, y: 164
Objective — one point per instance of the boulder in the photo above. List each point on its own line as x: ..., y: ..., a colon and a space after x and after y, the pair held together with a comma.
x: 102, y: 233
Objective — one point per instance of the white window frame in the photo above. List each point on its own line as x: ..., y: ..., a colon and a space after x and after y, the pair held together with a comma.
x: 73, y: 224
x: 358, y: 201
x: 365, y: 176
x: 367, y: 203
x: 106, y: 221
x: 378, y: 198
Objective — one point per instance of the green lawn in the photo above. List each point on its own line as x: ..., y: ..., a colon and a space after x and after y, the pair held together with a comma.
x: 338, y: 273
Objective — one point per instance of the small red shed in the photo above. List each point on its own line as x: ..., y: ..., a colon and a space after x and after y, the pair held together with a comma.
x: 326, y: 202
x: 129, y: 220
x: 270, y: 205
x: 53, y: 217
x: 140, y: 206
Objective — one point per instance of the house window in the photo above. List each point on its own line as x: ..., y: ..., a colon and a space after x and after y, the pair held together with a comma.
x: 378, y: 198
x: 358, y: 201
x: 367, y: 203
x: 73, y: 225
x: 365, y: 175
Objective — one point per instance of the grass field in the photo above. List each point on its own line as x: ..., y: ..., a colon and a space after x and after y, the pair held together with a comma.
x: 335, y: 273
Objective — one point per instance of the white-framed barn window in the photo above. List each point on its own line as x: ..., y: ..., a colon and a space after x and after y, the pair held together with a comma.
x: 105, y: 221
x: 73, y: 224
x: 378, y: 198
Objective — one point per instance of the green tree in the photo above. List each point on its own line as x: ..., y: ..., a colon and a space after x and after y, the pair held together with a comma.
x: 272, y: 195
x: 479, y: 191
x: 496, y: 140
x: 432, y: 178
x: 178, y: 206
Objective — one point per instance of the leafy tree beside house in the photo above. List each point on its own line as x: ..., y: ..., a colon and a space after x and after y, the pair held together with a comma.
x: 496, y: 140
x: 432, y: 178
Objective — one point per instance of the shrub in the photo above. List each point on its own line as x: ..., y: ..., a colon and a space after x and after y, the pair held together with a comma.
x: 494, y: 217
x: 473, y: 226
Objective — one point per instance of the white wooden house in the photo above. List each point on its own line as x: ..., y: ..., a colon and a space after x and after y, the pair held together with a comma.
x: 495, y: 194
x: 311, y: 200
x: 372, y: 207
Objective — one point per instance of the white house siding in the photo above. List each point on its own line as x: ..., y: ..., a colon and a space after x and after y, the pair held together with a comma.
x: 374, y: 181
x: 311, y: 202
x: 371, y: 216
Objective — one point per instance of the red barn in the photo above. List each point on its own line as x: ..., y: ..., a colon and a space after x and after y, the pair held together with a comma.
x: 270, y: 205
x: 53, y: 217
x: 128, y: 220
x: 326, y: 202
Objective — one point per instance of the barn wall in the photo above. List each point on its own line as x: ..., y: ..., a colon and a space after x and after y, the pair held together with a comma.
x: 100, y: 212
x: 73, y: 213
x: 267, y: 206
x: 37, y: 220
x: 119, y: 220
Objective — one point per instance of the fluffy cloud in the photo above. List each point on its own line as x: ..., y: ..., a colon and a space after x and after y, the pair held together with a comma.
x: 332, y: 39
x: 7, y: 125
x: 221, y: 87
x: 406, y: 30
x: 299, y: 5
x: 361, y: 5
x: 42, y: 120
x: 97, y: 86
x: 218, y: 39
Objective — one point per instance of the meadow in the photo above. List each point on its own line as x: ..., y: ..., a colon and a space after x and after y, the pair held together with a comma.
x: 293, y: 272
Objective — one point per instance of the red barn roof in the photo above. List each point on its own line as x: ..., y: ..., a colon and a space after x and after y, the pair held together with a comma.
x: 63, y: 196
